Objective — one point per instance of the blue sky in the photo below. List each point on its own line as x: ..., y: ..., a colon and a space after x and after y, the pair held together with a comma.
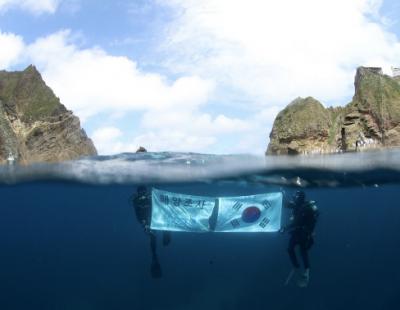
x: 195, y: 75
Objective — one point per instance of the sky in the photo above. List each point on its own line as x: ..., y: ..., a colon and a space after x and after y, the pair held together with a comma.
x: 205, y: 76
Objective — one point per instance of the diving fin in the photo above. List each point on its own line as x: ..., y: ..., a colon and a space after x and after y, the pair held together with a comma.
x: 290, y: 276
x: 304, y: 279
x: 166, y: 238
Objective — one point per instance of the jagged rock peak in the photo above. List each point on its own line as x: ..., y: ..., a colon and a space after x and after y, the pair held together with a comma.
x: 34, y: 125
x: 371, y: 120
x: 32, y: 69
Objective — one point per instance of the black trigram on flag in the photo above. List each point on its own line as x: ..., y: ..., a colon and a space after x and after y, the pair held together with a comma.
x: 266, y: 204
x: 237, y: 206
x: 264, y: 222
x: 235, y: 223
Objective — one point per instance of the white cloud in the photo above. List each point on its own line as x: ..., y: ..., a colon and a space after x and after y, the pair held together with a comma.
x: 175, y: 140
x: 175, y: 130
x: 189, y: 131
x: 193, y: 122
x: 110, y: 140
x: 33, y: 6
x: 264, y: 52
x: 267, y: 53
x: 106, y: 140
x: 275, y: 51
x: 90, y: 81
x: 12, y: 47
x: 106, y: 134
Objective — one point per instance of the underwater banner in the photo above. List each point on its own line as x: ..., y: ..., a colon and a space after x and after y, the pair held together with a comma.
x: 180, y: 212
x: 256, y: 213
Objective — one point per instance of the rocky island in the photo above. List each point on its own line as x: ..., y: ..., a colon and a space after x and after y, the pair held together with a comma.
x: 370, y: 121
x: 34, y: 125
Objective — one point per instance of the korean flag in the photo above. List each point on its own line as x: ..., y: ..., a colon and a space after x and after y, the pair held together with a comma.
x: 256, y: 213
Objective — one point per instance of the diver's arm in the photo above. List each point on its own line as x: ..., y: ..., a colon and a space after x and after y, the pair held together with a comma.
x: 290, y: 204
x: 311, y: 217
x: 140, y: 204
x: 289, y: 226
x: 284, y: 197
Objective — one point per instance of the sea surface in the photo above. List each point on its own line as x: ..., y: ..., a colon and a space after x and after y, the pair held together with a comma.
x: 69, y: 238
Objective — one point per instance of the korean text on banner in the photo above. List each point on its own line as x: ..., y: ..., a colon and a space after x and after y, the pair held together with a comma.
x: 180, y: 212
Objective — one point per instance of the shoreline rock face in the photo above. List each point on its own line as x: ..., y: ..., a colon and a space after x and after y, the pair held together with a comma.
x: 370, y: 121
x: 34, y: 125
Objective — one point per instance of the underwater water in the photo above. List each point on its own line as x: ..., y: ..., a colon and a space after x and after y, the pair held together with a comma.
x: 69, y: 238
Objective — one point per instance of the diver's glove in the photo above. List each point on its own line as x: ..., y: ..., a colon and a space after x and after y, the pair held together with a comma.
x: 146, y: 227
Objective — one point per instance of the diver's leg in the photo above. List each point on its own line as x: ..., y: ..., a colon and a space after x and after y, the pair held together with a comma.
x: 305, y: 277
x: 155, y: 264
x: 292, y: 253
x: 304, y: 254
x: 166, y: 238
x: 153, y: 244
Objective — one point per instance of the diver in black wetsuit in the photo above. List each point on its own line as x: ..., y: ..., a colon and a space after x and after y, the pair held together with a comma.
x: 303, y: 220
x: 142, y: 203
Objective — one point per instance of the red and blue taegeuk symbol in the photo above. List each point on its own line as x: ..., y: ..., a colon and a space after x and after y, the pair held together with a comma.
x: 251, y: 214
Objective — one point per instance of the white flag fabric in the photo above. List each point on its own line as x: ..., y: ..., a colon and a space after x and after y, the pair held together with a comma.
x: 256, y: 213
x: 179, y: 212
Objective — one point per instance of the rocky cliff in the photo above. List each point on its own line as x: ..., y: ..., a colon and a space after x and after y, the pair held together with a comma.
x: 34, y: 125
x: 371, y: 120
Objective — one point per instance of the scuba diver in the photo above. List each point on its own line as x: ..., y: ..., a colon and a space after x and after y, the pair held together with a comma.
x: 142, y: 203
x: 303, y: 220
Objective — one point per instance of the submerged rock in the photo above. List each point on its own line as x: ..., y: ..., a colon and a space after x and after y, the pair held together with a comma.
x: 34, y: 125
x: 370, y: 121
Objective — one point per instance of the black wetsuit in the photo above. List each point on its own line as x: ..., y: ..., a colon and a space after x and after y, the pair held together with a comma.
x: 304, y: 218
x: 143, y: 207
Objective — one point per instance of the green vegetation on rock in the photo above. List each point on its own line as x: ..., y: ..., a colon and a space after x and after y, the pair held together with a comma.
x: 301, y: 118
x: 28, y: 95
x: 371, y: 120
x: 34, y: 125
